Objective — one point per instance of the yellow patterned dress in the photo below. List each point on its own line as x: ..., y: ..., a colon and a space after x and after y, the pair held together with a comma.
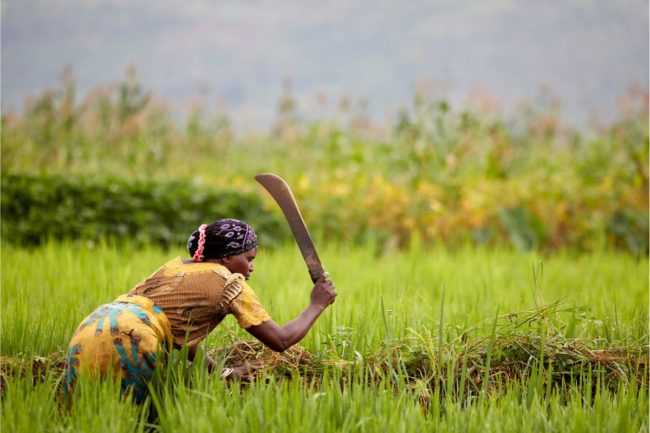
x: 180, y: 303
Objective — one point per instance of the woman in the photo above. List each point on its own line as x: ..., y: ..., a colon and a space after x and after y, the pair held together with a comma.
x: 179, y: 305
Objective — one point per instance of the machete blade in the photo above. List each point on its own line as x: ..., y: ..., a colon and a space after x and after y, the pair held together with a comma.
x: 280, y: 191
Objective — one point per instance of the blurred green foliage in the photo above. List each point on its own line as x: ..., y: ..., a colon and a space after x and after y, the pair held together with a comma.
x: 437, y: 175
x: 38, y: 208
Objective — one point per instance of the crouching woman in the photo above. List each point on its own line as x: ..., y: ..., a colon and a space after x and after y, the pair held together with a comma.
x: 180, y: 304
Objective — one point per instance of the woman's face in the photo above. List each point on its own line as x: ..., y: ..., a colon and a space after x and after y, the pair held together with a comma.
x: 241, y: 263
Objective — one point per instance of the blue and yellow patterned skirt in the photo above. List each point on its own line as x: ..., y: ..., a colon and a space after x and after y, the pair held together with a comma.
x: 121, y: 339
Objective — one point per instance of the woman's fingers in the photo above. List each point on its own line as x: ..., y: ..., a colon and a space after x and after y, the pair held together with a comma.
x: 332, y: 291
x: 324, y: 291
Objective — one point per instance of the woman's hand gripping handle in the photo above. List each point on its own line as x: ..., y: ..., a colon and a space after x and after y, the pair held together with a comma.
x: 323, y: 293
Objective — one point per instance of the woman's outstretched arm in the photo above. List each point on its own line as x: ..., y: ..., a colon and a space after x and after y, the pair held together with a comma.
x: 280, y: 338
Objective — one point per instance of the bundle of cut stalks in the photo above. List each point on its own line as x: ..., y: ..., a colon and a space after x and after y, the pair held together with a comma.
x: 467, y: 365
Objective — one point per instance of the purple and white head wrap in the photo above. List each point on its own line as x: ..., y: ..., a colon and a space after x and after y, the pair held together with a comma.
x: 223, y: 238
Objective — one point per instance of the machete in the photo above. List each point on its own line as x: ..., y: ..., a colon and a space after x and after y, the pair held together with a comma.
x: 280, y: 191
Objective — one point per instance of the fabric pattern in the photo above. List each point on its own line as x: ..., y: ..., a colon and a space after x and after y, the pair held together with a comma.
x: 227, y: 237
x: 247, y: 309
x: 195, y: 297
x: 240, y: 236
x: 178, y: 304
x: 123, y: 337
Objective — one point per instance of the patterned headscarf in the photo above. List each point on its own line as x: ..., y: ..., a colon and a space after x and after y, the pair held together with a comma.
x: 223, y: 238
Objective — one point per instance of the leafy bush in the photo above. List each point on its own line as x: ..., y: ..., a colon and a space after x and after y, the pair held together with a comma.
x: 35, y: 208
x: 437, y: 175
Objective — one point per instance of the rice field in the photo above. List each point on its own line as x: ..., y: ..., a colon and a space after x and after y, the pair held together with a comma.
x: 418, y: 340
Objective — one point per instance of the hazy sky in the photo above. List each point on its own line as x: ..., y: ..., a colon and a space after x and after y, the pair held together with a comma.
x: 587, y: 52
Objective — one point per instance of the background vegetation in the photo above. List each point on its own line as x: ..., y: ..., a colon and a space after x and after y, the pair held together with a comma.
x: 38, y: 208
x: 437, y: 174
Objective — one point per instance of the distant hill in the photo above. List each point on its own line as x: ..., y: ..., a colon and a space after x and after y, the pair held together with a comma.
x: 237, y: 54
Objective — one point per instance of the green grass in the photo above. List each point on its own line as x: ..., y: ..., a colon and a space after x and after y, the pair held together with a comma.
x: 279, y: 406
x: 48, y: 290
x: 510, y: 324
